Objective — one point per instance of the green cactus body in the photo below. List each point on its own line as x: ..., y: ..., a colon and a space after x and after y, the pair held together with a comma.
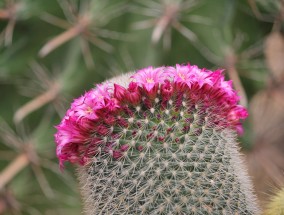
x: 190, y: 172
x: 169, y: 150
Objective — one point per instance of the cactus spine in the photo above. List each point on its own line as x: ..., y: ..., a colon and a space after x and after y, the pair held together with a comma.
x: 164, y: 145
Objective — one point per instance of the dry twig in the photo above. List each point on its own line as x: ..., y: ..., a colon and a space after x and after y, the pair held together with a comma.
x: 37, y: 102
x: 230, y: 63
x: 20, y: 162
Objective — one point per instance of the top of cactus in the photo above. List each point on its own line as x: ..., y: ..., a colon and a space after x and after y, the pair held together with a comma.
x: 93, y: 117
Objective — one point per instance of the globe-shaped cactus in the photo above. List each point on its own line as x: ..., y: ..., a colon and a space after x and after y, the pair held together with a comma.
x: 158, y: 141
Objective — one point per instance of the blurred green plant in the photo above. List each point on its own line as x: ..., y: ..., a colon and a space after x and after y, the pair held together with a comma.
x: 42, y: 67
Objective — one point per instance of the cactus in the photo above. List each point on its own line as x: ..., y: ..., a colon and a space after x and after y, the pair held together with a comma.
x: 158, y: 141
x: 276, y: 205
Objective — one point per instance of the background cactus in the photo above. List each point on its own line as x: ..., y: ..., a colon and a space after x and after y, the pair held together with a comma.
x: 164, y: 145
x: 276, y: 204
x: 52, y: 51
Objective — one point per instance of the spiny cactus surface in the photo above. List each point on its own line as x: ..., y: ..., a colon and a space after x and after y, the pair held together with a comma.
x: 159, y: 142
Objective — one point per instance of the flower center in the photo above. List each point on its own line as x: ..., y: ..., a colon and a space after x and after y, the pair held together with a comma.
x: 182, y: 76
x: 89, y: 110
x: 150, y: 80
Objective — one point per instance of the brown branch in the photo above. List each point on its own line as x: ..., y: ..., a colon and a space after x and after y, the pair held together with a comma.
x: 13, y: 168
x: 234, y: 76
x: 37, y: 103
x: 9, y: 31
x: 257, y: 13
x: 279, y: 19
x: 254, y: 9
x: 87, y: 54
x: 64, y: 37
x: 5, y: 14
x: 55, y: 21
x: 164, y: 22
x: 43, y: 182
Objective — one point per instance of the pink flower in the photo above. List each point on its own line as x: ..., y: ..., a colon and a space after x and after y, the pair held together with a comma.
x: 99, y: 94
x: 133, y: 94
x: 119, y: 92
x: 102, y: 90
x: 167, y: 89
x: 239, y: 128
x: 86, y: 105
x: 149, y: 77
x: 68, y: 137
x: 82, y: 107
x: 70, y: 131
x: 181, y: 74
x: 201, y: 77
x: 84, y: 110
x: 215, y: 77
x: 237, y: 113
x: 227, y: 87
x: 96, y: 117
x: 67, y: 153
x: 111, y: 104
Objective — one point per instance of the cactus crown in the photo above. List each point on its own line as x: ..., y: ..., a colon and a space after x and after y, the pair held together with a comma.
x: 159, y: 142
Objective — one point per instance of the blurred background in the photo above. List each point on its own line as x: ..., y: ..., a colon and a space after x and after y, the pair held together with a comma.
x: 53, y: 51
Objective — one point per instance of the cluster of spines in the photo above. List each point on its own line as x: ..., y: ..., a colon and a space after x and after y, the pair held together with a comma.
x: 193, y: 177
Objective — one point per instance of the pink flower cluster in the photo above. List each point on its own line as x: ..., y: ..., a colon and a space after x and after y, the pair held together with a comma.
x: 92, y: 115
